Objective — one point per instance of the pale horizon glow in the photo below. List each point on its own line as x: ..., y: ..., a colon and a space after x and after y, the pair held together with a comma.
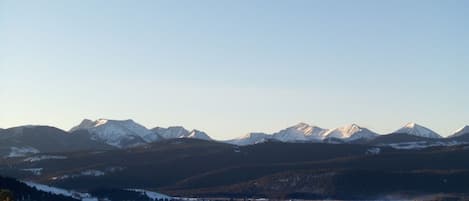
x: 233, y: 67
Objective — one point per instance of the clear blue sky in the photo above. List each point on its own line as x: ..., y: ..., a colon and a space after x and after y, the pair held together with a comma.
x: 230, y: 67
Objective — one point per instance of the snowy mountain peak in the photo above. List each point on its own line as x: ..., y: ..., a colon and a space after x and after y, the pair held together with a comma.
x: 196, y: 134
x: 87, y: 123
x: 119, y: 133
x: 412, y: 125
x: 250, y: 138
x: 350, y: 132
x: 180, y: 132
x: 417, y: 130
x: 171, y: 132
x: 462, y: 131
x: 300, y: 132
x: 301, y: 125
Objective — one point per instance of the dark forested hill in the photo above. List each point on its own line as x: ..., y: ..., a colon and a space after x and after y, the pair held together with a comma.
x: 195, y: 168
x: 11, y: 189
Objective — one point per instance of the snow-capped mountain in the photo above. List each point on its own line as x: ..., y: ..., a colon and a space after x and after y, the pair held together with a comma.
x: 350, y: 132
x: 418, y: 130
x: 118, y: 133
x: 171, y: 132
x: 250, y: 138
x: 196, y: 134
x: 303, y: 132
x: 300, y: 132
x: 110, y: 134
x: 180, y: 132
x: 462, y: 131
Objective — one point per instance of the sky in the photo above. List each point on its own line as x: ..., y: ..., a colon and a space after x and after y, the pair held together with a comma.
x: 233, y: 67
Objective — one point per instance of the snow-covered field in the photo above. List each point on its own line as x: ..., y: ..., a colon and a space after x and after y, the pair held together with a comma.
x: 21, y: 151
x: 59, y: 191
x: 373, y: 151
x: 43, y: 157
x: 150, y: 194
x: 90, y: 172
x: 34, y: 171
x: 422, y: 144
x: 87, y: 196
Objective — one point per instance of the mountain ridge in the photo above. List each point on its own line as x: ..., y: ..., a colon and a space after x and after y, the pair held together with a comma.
x: 108, y: 133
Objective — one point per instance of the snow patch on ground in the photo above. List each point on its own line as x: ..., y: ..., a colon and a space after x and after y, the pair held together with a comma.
x: 373, y: 151
x: 43, y: 157
x: 114, y: 169
x: 95, y: 173
x: 21, y: 151
x: 90, y: 172
x: 151, y: 194
x: 59, y: 191
x: 423, y: 144
x: 34, y: 171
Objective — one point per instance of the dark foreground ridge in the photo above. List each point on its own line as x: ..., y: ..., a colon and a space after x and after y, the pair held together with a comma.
x: 200, y: 168
x: 11, y: 189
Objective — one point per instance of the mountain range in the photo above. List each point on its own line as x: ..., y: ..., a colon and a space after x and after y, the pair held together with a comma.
x: 104, y: 158
x: 303, y: 132
x: 116, y: 134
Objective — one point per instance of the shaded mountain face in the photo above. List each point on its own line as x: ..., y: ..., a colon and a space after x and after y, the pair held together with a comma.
x: 171, y: 132
x: 417, y: 130
x: 26, y: 140
x: 180, y: 132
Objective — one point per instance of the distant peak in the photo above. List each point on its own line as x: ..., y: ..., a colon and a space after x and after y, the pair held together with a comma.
x: 466, y: 127
x: 302, y: 124
x: 176, y: 127
x: 461, y: 131
x: 354, y: 125
x: 418, y: 130
x: 349, y: 127
x: 198, y: 135
x: 88, y: 124
x: 411, y: 125
x: 100, y: 122
x: 86, y: 120
x: 115, y: 120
